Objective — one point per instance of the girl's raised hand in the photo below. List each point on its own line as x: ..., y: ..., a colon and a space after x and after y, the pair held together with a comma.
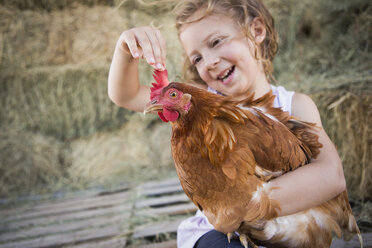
x: 144, y: 42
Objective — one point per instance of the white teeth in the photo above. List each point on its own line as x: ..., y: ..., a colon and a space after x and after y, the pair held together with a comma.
x: 226, y: 74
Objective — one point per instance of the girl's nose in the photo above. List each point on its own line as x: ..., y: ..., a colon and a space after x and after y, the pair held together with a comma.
x: 212, y: 61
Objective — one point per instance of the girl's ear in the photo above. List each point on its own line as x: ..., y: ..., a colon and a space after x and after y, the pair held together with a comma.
x: 258, y: 30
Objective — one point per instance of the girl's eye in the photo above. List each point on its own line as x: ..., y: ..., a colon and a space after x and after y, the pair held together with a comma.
x: 216, y: 42
x: 173, y: 94
x: 196, y: 60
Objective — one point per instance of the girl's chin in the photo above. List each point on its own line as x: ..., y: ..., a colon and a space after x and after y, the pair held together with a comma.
x: 237, y: 92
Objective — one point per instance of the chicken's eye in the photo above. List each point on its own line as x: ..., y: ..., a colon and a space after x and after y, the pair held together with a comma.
x: 173, y: 94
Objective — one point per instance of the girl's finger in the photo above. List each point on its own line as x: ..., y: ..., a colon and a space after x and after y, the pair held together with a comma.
x: 162, y: 46
x: 130, y: 41
x: 145, y: 44
x: 156, y: 49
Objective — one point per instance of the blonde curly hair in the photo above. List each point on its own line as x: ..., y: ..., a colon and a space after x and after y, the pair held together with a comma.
x: 243, y: 11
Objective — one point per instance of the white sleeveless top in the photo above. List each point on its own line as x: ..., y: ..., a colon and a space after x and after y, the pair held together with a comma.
x: 191, y: 229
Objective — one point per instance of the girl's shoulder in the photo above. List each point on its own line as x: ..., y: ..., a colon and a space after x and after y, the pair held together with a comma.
x: 305, y: 109
x: 297, y: 104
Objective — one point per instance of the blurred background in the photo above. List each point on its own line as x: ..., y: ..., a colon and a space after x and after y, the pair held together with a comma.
x: 59, y: 131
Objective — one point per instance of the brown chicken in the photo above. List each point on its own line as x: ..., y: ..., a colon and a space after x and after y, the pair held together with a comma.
x: 225, y: 153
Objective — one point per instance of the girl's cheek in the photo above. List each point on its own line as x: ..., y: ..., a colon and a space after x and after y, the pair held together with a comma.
x: 201, y: 72
x: 205, y: 76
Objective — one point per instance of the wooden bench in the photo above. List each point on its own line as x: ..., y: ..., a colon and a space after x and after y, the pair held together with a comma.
x: 74, y: 222
x: 143, y: 217
x: 166, y: 202
x: 105, y: 219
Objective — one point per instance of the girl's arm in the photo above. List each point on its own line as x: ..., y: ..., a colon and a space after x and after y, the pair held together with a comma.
x: 316, y: 182
x: 124, y: 88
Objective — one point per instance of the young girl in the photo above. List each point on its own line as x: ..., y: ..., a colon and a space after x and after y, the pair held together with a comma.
x: 230, y: 45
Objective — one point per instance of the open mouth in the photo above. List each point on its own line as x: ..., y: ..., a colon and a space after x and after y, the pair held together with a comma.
x: 227, y: 75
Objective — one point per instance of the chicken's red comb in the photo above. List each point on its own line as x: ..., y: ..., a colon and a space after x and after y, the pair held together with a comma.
x: 161, y: 78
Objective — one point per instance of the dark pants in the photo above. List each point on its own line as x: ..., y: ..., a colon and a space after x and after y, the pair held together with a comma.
x: 217, y: 239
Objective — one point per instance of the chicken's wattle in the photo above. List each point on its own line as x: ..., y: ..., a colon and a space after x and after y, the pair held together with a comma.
x: 168, y: 115
x: 162, y: 117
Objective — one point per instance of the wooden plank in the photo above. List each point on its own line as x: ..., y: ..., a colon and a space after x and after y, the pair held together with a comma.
x: 67, y: 238
x: 167, y: 244
x: 159, y: 184
x: 153, y: 230
x: 161, y: 191
x: 163, y: 200
x: 354, y: 242
x: 57, y: 209
x: 29, y: 202
x: 122, y: 188
x: 111, y: 243
x: 74, y: 196
x: 74, y: 204
x: 67, y: 227
x: 169, y: 210
x: 65, y: 217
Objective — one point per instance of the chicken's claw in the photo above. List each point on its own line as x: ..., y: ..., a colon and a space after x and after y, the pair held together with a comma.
x: 245, y: 240
x: 230, y: 236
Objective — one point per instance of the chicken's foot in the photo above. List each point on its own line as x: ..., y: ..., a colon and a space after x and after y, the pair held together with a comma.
x: 230, y: 236
x: 245, y: 240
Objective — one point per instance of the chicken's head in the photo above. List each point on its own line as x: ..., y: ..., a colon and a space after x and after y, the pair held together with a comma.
x: 166, y: 99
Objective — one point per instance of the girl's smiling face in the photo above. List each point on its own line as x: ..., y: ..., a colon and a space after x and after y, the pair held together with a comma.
x: 223, y: 55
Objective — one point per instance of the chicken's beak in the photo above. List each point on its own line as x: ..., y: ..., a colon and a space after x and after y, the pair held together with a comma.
x: 153, y: 107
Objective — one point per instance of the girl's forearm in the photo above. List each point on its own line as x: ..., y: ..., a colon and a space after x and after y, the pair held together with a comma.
x: 316, y: 182
x: 307, y: 187
x: 123, y: 82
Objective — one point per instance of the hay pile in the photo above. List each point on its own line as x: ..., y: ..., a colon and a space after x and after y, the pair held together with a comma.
x: 322, y: 39
x: 54, y: 60
x: 325, y: 50
x: 54, y: 68
x: 65, y: 102
x: 346, y: 113
x: 136, y: 152
x: 30, y: 162
x: 75, y: 35
x: 46, y: 5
